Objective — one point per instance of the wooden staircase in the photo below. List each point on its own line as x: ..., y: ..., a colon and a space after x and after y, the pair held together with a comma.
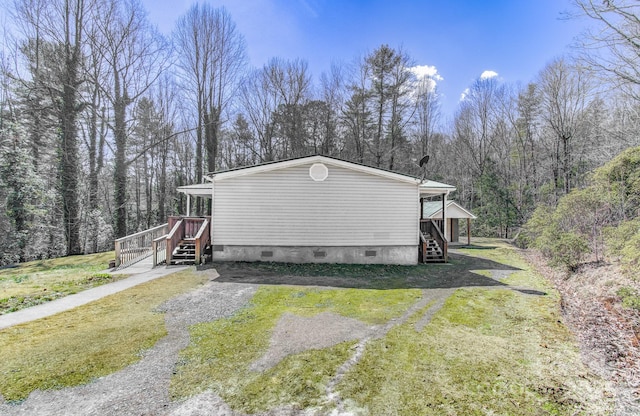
x: 188, y: 242
x: 431, y: 250
x: 184, y: 253
x: 182, y: 240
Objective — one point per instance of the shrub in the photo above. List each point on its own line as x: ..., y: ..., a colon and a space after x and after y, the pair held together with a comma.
x: 568, y: 250
x: 623, y: 243
x: 629, y: 297
x: 603, y: 215
x: 534, y: 228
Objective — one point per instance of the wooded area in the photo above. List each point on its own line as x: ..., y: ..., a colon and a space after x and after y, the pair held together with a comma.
x: 102, y: 117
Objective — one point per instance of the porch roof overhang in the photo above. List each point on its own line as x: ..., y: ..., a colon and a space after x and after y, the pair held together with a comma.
x: 204, y: 190
x: 430, y: 187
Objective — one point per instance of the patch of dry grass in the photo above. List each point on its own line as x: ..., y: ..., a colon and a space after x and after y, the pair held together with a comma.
x: 93, y: 340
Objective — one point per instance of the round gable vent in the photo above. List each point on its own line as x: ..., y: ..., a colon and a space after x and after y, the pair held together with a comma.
x: 318, y: 172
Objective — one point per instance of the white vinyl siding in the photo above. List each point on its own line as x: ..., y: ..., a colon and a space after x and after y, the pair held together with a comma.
x: 286, y: 207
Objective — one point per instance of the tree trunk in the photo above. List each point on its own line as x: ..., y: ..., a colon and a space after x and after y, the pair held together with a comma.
x: 69, y: 152
x: 566, y: 165
x: 120, y: 161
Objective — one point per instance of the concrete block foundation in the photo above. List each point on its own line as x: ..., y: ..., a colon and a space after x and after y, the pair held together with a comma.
x: 404, y: 255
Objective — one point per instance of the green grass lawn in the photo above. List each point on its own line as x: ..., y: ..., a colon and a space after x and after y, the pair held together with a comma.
x: 89, y: 341
x: 487, y: 351
x: 41, y: 281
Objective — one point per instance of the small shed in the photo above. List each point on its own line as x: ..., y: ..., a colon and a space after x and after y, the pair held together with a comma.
x: 455, y: 212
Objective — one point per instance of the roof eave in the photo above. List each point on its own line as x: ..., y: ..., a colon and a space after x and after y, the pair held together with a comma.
x: 313, y: 159
x: 200, y: 189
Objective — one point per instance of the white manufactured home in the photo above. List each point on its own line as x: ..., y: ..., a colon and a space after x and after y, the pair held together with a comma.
x: 310, y: 209
x: 316, y: 209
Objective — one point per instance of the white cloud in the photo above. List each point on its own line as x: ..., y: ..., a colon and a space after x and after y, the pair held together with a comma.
x: 426, y: 71
x: 428, y: 84
x: 464, y: 94
x: 488, y: 74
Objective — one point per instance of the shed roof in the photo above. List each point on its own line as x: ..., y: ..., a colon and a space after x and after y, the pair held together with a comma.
x: 433, y: 209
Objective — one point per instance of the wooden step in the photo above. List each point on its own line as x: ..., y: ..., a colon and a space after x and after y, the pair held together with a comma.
x: 432, y: 253
x: 184, y: 253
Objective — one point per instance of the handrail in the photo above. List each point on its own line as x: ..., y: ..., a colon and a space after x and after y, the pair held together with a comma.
x: 160, y: 241
x: 440, y: 239
x: 159, y: 250
x: 202, y: 238
x: 173, y: 238
x: 432, y: 228
x: 140, y: 233
x: 135, y: 247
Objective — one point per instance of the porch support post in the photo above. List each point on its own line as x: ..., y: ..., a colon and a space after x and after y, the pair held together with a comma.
x: 188, y: 205
x: 444, y: 216
x: 468, y: 231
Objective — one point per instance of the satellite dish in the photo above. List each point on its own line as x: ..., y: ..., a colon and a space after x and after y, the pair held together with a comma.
x: 423, y: 163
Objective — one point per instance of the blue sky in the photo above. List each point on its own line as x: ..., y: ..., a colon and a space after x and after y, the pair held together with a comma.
x: 460, y: 38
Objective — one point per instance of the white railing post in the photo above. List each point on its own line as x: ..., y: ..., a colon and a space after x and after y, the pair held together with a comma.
x: 118, y: 253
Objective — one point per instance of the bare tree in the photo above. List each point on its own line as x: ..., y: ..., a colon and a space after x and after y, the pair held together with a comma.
x: 212, y: 56
x: 427, y: 113
x: 565, y: 94
x: 476, y: 122
x: 356, y: 115
x: 332, y: 86
x: 95, y: 138
x: 165, y: 94
x: 134, y: 55
x: 273, y: 99
x: 291, y: 82
x: 612, y: 47
x: 259, y: 101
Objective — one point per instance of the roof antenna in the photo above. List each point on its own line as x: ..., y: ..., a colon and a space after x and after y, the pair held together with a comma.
x: 423, y: 164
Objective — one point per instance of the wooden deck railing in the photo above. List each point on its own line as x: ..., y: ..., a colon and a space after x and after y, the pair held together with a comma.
x: 161, y: 241
x: 173, y: 238
x: 428, y: 226
x: 135, y: 247
x: 203, y: 238
x: 159, y: 250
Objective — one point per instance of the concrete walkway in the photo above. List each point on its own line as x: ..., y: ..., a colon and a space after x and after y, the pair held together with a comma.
x: 140, y: 272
